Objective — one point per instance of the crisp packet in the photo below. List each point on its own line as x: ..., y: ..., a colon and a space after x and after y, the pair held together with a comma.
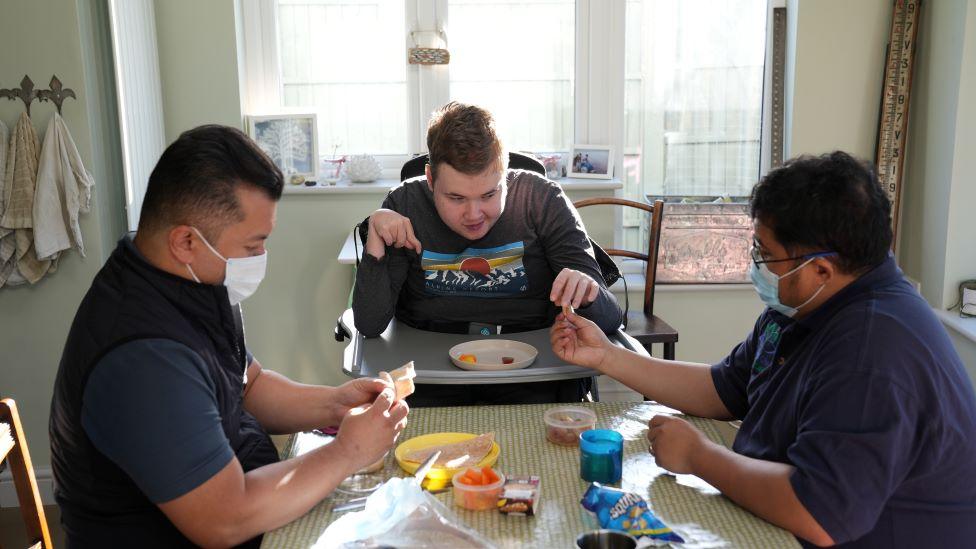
x: 627, y: 512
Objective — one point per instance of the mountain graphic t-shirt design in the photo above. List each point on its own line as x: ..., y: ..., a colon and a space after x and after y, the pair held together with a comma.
x: 477, y: 272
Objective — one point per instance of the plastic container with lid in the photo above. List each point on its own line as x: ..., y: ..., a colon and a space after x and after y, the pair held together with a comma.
x: 565, y: 423
x: 477, y: 497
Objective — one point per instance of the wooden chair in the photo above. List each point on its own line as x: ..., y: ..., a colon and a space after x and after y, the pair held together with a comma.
x: 18, y: 458
x: 643, y: 325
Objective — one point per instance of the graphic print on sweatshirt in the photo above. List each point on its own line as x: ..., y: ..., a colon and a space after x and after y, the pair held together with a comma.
x: 476, y: 272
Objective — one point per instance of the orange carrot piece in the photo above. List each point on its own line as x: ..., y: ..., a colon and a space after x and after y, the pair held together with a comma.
x: 490, y: 475
x: 474, y: 476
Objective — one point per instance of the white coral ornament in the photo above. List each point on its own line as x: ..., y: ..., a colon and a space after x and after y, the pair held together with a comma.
x: 363, y: 168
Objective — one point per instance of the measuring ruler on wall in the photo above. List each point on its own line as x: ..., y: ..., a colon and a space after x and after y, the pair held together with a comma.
x: 778, y: 87
x: 893, y: 120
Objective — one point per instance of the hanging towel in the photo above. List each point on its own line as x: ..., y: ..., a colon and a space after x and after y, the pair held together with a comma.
x: 8, y: 241
x: 63, y: 190
x: 21, y: 176
x: 4, y: 139
x: 8, y: 244
x: 19, y: 181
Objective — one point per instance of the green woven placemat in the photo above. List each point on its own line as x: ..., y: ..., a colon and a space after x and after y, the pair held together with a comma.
x: 695, y: 510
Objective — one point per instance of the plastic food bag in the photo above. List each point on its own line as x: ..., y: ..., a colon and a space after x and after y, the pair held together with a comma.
x: 626, y: 511
x: 401, y: 514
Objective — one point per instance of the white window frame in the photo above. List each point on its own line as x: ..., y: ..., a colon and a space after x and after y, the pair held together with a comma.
x: 599, y: 86
x: 598, y: 80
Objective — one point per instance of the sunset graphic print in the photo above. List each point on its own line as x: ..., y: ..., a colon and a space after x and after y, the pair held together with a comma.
x: 476, y: 272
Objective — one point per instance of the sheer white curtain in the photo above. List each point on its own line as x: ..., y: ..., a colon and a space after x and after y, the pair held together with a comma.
x: 516, y: 59
x: 694, y: 96
x: 346, y: 59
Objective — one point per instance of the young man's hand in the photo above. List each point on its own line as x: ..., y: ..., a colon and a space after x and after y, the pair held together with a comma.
x: 367, y: 432
x: 674, y: 442
x: 573, y: 288
x: 580, y: 341
x: 388, y: 228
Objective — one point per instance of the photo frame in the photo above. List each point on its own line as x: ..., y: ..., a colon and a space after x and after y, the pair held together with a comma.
x: 591, y: 162
x: 291, y: 140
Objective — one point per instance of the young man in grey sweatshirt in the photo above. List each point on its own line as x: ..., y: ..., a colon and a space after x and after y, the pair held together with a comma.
x: 474, y: 245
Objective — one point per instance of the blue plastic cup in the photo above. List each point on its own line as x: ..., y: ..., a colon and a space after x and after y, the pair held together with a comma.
x: 601, y: 456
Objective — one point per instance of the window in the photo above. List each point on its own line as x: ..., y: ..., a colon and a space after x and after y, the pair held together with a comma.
x: 675, y: 87
x: 693, y: 96
x: 527, y: 83
x: 346, y: 60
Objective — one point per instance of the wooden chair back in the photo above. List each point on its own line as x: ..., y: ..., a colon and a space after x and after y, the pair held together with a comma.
x: 19, y: 461
x: 656, y: 211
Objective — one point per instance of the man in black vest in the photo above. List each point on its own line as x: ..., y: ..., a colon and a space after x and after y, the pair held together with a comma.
x: 160, y: 414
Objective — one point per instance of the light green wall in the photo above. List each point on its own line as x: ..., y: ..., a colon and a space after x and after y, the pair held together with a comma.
x: 710, y: 322
x: 835, y: 77
x: 929, y: 162
x: 40, y: 38
x: 198, y: 64
x: 961, y: 223
x: 938, y: 226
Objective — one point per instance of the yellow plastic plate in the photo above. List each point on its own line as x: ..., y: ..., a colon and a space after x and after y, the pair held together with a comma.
x: 438, y: 475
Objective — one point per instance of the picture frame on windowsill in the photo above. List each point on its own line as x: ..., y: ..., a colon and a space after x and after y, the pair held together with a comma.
x: 291, y: 140
x: 591, y: 162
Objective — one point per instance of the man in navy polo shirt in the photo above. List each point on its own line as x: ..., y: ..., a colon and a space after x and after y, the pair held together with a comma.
x: 858, y: 418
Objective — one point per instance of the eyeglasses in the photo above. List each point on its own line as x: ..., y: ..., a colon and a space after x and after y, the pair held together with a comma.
x: 758, y: 259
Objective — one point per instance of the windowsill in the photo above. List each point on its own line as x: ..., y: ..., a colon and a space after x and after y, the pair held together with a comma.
x: 383, y: 186
x: 635, y: 283
x: 965, y: 326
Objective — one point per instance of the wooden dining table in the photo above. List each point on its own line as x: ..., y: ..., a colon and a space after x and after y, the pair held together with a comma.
x: 691, y: 507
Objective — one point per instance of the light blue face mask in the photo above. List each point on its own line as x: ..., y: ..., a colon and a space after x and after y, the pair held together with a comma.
x: 767, y: 286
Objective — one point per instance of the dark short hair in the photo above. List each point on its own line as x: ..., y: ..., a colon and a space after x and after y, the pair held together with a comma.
x: 463, y: 137
x: 194, y: 181
x: 831, y: 202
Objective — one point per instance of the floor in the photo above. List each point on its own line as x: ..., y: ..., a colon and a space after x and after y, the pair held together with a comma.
x: 12, y: 534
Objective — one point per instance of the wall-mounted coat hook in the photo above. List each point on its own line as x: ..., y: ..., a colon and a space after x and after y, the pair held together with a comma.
x: 56, y: 94
x: 25, y: 93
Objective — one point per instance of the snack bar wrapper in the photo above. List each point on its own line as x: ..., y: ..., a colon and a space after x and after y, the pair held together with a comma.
x: 627, y: 512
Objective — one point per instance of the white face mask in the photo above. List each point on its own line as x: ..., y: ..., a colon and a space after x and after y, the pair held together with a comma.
x: 244, y: 274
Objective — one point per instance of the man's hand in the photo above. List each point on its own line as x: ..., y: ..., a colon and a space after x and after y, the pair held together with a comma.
x: 573, y: 288
x: 367, y: 432
x: 580, y: 341
x: 674, y: 442
x: 388, y: 228
x: 358, y: 392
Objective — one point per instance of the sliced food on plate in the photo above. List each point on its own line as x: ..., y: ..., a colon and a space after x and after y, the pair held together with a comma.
x: 459, y: 454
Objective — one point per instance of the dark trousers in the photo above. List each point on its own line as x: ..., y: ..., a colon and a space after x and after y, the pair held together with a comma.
x: 540, y: 392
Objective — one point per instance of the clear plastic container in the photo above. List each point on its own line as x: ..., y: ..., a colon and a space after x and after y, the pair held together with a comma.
x: 477, y: 497
x: 565, y: 423
x: 374, y: 467
x: 365, y: 480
